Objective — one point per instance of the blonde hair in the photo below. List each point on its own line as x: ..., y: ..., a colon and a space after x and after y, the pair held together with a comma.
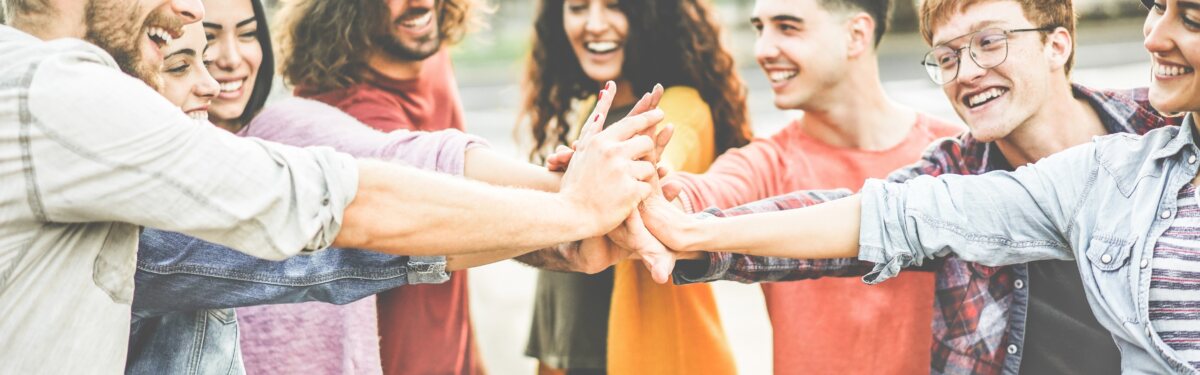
x: 1042, y: 13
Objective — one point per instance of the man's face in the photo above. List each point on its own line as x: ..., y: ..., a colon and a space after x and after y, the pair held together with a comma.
x: 801, y: 47
x: 136, y: 32
x: 412, y: 34
x: 995, y: 101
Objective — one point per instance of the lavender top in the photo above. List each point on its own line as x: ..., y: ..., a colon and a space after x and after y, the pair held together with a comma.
x: 315, y: 337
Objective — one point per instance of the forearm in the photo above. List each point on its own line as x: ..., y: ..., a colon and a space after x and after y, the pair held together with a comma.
x: 819, y: 232
x: 485, y: 165
x: 430, y: 214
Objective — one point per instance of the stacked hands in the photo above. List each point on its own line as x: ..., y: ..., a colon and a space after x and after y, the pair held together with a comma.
x: 614, y: 173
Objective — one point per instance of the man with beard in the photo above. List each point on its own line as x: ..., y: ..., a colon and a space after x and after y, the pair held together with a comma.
x: 89, y: 155
x: 398, y: 76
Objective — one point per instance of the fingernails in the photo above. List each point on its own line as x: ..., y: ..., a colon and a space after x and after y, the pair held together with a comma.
x: 608, y: 85
x: 658, y: 86
x: 596, y: 118
x: 600, y: 96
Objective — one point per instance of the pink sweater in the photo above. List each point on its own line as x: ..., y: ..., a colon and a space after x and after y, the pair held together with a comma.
x: 315, y: 337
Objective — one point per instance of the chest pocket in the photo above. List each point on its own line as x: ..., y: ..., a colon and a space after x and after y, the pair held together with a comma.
x: 1111, y: 278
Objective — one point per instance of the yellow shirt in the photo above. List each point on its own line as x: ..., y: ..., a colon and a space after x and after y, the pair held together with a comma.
x: 662, y: 328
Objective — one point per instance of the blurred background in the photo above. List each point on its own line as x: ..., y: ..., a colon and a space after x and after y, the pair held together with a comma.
x: 489, y: 66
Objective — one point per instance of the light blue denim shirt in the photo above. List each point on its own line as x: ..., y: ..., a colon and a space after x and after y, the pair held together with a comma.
x: 183, y: 321
x: 1104, y: 204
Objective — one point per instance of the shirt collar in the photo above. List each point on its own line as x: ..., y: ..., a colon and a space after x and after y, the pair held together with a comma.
x: 1182, y: 139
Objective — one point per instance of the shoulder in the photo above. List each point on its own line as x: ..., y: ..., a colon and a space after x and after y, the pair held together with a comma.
x: 684, y: 104
x: 939, y: 127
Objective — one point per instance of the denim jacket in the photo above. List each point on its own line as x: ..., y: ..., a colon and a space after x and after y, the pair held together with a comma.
x: 183, y: 321
x: 1104, y: 204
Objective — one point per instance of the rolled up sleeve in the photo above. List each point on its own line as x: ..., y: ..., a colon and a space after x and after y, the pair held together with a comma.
x: 995, y: 219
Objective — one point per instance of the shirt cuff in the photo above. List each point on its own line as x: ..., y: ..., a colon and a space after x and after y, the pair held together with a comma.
x: 882, y: 238
x: 699, y: 270
x: 427, y: 270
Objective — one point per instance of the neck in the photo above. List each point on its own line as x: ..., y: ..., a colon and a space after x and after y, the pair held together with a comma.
x: 1046, y: 133
x: 841, y: 120
x: 232, y: 126
x: 391, y: 67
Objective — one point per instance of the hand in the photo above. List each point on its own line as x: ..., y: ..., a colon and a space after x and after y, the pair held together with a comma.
x: 668, y: 223
x: 609, y: 174
x: 561, y: 158
x: 596, y: 254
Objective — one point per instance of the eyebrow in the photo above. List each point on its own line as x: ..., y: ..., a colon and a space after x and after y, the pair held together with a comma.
x: 974, y: 27
x: 185, y: 51
x: 1188, y: 5
x: 210, y: 25
x: 787, y: 18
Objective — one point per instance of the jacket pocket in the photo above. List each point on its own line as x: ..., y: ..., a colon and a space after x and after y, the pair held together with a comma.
x: 1110, y: 280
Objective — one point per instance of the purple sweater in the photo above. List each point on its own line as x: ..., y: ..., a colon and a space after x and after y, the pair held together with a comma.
x: 315, y: 337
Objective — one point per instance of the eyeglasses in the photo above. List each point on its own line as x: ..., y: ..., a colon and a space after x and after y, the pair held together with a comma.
x: 988, y: 48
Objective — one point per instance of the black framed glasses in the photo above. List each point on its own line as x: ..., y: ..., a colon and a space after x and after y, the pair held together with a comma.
x: 988, y: 48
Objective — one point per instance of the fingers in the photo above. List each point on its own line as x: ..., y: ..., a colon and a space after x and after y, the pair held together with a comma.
x: 643, y: 170
x: 595, y: 121
x: 663, y: 171
x: 636, y: 148
x: 661, y: 140
x: 671, y: 190
x: 558, y: 161
x: 648, y: 101
x: 632, y: 125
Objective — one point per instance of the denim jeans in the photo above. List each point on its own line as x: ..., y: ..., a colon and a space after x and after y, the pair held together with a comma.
x: 183, y: 320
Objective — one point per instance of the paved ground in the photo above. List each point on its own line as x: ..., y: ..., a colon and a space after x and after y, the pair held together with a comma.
x: 1110, y: 56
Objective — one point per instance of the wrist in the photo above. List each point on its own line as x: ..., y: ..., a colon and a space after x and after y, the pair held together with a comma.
x: 576, y: 219
x: 695, y: 235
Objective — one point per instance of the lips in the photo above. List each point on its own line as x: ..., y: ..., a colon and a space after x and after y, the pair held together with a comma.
x: 781, y: 75
x: 979, y: 98
x: 601, y: 47
x: 1168, y: 70
x: 417, y: 19
x: 231, y: 89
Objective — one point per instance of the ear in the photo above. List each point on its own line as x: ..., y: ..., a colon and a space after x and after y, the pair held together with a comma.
x: 861, y: 31
x: 1058, y: 47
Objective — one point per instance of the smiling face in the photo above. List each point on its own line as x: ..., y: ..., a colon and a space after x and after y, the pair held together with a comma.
x: 136, y: 32
x: 186, y: 81
x: 597, y: 30
x: 237, y: 55
x: 412, y: 34
x: 801, y: 47
x: 1172, y: 32
x: 993, y: 102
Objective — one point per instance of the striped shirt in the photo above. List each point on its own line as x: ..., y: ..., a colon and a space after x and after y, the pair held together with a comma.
x: 1175, y: 281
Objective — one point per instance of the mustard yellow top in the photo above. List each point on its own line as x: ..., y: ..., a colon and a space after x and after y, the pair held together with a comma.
x: 662, y: 328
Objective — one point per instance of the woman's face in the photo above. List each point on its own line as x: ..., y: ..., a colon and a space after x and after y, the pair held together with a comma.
x: 597, y: 30
x: 185, y: 79
x: 232, y: 33
x: 1172, y: 33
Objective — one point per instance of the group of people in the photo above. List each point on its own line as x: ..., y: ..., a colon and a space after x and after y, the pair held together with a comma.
x: 150, y: 190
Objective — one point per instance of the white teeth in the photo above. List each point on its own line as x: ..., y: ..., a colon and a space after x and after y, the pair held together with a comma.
x: 781, y: 75
x: 158, y: 32
x: 979, y: 98
x: 198, y: 115
x: 1170, y: 70
x: 231, y: 86
x: 601, y: 47
x: 419, y: 21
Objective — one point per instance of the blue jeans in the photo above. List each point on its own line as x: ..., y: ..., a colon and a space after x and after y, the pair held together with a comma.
x: 183, y: 320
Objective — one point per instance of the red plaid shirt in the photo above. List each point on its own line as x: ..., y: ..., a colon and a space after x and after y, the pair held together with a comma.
x: 974, y: 305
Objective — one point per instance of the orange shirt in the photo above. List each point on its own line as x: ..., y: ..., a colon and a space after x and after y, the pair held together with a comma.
x: 831, y: 325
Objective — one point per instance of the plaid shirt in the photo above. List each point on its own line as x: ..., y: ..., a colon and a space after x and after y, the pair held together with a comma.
x: 977, y: 309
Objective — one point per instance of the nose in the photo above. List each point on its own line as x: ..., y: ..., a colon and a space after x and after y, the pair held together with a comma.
x: 207, y: 87
x: 968, y: 69
x: 765, y: 48
x: 226, y: 47
x: 190, y: 11
x: 596, y: 22
x: 1158, y: 38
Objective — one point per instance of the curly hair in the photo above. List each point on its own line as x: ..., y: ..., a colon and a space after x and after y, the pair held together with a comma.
x: 673, y: 42
x: 323, y: 45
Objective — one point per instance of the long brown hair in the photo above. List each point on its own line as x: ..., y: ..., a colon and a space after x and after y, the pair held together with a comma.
x: 323, y: 44
x: 673, y: 42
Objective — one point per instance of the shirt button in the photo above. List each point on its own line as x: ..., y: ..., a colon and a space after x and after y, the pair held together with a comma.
x: 1012, y: 349
x: 1145, y: 262
x: 1106, y: 259
x: 1192, y: 159
x: 1166, y: 214
x: 1019, y: 284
